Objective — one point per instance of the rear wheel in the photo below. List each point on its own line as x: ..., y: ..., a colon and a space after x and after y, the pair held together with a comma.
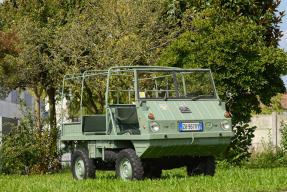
x: 129, y: 165
x: 201, y: 165
x: 82, y: 166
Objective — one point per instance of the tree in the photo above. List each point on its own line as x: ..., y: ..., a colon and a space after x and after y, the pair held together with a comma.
x: 262, y: 12
x: 8, y: 43
x: 110, y: 33
x: 275, y: 105
x: 34, y: 66
x: 58, y: 37
x: 239, y: 57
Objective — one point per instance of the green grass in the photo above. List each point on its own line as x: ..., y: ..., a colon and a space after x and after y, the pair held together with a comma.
x: 233, y: 179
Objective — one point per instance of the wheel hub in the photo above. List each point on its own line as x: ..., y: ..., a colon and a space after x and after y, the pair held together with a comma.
x: 80, y: 168
x: 126, y: 169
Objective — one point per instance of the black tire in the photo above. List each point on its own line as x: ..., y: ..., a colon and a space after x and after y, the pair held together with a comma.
x: 195, y: 167
x: 209, y: 166
x: 127, y: 159
x: 201, y: 165
x: 81, y: 158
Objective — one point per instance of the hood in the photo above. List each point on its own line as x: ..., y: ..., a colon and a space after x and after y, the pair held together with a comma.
x: 186, y: 110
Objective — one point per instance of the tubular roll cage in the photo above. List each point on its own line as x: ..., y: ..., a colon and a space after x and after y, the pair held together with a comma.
x: 110, y: 72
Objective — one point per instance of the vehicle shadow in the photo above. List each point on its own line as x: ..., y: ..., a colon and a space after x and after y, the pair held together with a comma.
x: 164, y: 177
x: 177, y: 176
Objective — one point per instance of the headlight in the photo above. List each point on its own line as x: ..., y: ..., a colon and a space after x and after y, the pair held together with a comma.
x: 225, y: 125
x: 154, y: 126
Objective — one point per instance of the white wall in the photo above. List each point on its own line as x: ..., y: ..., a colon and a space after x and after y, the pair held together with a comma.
x: 267, y: 131
x: 9, y: 110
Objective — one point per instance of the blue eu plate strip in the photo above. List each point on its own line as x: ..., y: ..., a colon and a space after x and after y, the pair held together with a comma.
x: 199, y: 123
x: 200, y: 126
x: 180, y: 126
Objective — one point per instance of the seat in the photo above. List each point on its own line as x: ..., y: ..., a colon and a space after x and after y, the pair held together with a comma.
x: 94, y: 123
x: 127, y: 119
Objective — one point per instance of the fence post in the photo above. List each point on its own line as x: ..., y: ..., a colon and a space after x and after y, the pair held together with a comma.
x: 0, y: 130
x: 274, y: 129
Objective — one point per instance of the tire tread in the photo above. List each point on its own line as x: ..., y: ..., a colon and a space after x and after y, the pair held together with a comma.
x: 137, y: 168
x: 90, y: 169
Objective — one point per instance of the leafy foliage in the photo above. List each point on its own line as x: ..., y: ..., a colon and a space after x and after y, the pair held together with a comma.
x: 34, y: 67
x: 8, y: 46
x: 283, y: 142
x: 266, y: 159
x: 238, y: 57
x: 261, y: 12
x: 239, y: 147
x: 271, y: 156
x: 275, y: 105
x: 240, y: 60
x: 22, y: 151
x: 115, y: 33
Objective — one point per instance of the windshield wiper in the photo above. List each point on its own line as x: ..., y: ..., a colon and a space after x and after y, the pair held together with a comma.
x: 200, y: 96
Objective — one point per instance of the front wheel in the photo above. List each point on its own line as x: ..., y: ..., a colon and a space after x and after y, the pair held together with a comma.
x: 82, y: 166
x: 129, y: 165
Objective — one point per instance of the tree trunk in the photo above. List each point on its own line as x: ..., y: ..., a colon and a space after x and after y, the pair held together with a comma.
x: 38, y: 111
x: 53, y: 151
x: 52, y: 119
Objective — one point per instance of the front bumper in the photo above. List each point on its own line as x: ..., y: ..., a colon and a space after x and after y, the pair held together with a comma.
x: 189, y: 144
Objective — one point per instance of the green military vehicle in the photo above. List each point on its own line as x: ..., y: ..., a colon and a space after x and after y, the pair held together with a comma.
x: 152, y: 118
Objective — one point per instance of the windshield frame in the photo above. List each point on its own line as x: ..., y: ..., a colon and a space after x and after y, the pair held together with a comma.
x: 173, y: 73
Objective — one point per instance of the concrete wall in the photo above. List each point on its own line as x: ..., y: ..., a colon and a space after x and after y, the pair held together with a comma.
x: 10, y: 109
x: 268, y: 130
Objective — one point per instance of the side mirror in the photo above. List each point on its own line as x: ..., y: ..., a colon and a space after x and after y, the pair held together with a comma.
x: 228, y: 94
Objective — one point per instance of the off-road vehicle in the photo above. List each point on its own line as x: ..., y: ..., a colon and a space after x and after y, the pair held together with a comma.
x: 151, y: 118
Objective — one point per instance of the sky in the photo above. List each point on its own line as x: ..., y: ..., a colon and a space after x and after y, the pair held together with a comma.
x: 283, y: 27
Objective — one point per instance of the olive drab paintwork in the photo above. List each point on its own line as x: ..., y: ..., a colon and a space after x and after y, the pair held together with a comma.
x: 167, y: 112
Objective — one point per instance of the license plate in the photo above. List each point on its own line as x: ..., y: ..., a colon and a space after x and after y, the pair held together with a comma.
x: 190, y: 126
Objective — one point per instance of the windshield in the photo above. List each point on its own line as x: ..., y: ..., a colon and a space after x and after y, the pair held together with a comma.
x: 192, y: 84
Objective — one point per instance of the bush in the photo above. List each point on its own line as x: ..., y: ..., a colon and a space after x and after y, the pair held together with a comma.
x: 24, y: 152
x: 283, y: 130
x: 240, y: 143
x: 267, y: 159
x: 271, y: 156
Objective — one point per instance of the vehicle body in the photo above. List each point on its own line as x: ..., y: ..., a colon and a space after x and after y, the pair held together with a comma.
x: 154, y: 118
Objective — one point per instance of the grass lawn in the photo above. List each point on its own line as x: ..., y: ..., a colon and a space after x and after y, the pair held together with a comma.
x: 233, y: 179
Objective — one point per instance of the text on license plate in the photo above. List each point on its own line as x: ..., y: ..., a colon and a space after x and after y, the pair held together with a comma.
x: 190, y: 126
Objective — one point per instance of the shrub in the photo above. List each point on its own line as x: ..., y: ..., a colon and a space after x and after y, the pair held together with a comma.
x: 271, y: 156
x: 283, y: 142
x: 238, y: 149
x: 267, y: 159
x: 24, y: 152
